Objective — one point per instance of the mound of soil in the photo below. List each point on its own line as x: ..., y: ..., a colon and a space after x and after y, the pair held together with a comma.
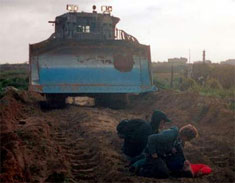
x: 80, y: 144
x: 26, y: 146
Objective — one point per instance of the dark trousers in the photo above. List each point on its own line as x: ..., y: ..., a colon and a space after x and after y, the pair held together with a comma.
x: 175, y: 164
x: 155, y: 168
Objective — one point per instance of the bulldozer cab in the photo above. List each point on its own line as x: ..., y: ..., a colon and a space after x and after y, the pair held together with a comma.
x: 82, y: 25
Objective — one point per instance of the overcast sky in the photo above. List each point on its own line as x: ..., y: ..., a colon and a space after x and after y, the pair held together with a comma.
x: 170, y: 27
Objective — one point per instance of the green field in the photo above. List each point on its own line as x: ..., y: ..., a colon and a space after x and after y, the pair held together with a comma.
x: 15, y: 75
x: 206, y: 79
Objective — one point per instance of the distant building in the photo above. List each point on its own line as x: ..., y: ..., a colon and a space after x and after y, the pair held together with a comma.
x: 180, y: 60
x: 200, y: 62
x: 229, y: 61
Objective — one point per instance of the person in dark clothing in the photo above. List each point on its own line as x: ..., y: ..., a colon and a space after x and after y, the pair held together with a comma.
x: 153, y: 167
x: 135, y: 132
x: 166, y: 146
x: 158, y: 119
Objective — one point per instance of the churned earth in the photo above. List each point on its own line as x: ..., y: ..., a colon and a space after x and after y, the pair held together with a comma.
x: 80, y: 144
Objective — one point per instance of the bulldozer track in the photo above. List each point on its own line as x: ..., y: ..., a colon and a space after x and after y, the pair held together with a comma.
x: 81, y: 154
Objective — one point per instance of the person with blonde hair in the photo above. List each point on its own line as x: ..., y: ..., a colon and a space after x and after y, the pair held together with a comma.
x: 188, y: 132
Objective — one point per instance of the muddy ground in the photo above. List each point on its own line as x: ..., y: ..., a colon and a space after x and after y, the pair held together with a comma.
x: 80, y: 144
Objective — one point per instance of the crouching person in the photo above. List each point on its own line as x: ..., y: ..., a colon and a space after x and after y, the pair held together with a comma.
x: 164, y: 153
x: 135, y: 133
x: 168, y: 145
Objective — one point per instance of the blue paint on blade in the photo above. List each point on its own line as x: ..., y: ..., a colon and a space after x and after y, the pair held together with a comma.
x: 108, y: 76
x: 89, y: 79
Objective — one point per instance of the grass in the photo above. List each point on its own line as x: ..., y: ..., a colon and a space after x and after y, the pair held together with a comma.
x: 220, y: 93
x: 20, y: 83
x: 13, y: 73
x: 161, y: 83
x: 180, y: 83
x: 16, y: 78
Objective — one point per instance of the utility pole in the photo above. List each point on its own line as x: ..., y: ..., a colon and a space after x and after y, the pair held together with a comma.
x: 204, y: 56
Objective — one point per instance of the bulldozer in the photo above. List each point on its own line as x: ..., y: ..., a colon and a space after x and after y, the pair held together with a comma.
x: 88, y: 55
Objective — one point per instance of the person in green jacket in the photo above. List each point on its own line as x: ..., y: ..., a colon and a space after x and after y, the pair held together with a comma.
x: 164, y: 153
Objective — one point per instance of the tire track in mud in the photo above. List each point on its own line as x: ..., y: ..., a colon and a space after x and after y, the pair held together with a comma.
x: 81, y: 154
x: 87, y: 137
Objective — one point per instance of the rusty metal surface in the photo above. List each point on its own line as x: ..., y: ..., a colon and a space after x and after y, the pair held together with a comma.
x: 123, y: 61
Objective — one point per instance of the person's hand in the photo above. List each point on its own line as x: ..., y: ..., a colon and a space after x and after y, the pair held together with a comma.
x: 187, y: 168
x: 154, y: 155
x: 186, y: 165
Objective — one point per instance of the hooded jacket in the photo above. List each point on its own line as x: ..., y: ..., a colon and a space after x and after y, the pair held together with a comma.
x: 136, y: 131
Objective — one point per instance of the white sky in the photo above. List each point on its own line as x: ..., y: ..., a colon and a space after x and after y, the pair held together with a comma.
x: 171, y: 27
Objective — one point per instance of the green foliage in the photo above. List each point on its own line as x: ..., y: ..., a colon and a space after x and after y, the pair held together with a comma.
x: 186, y: 84
x: 13, y: 74
x: 200, y: 72
x: 225, y: 74
x: 161, y: 83
x: 207, y: 79
x: 213, y: 83
x: 15, y: 78
x: 19, y: 83
x: 221, y: 93
x: 211, y: 88
x: 179, y: 83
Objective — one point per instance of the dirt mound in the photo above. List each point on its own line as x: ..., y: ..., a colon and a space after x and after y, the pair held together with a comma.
x: 80, y: 144
x: 12, y: 157
x: 25, y: 141
x: 188, y: 107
